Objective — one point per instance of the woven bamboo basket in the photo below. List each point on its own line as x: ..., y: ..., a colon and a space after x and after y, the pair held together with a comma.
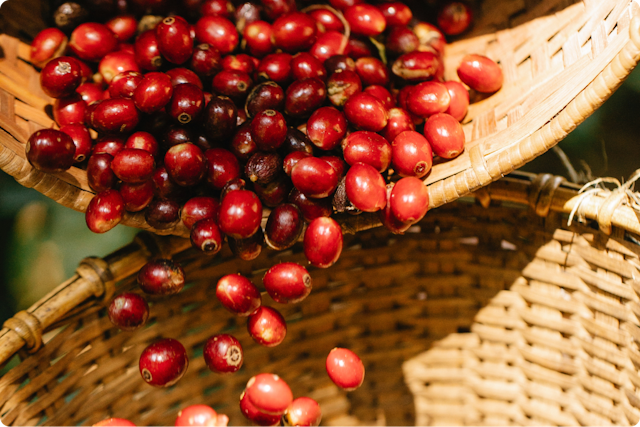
x: 561, y: 60
x: 537, y: 323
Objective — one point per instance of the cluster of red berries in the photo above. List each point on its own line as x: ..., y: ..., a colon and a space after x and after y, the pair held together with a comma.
x: 308, y: 120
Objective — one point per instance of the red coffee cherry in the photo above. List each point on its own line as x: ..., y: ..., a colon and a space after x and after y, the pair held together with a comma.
x: 133, y: 165
x: 303, y: 411
x: 428, y: 98
x: 61, y: 77
x: 275, y: 192
x: 163, y: 363
x: 222, y: 167
x: 115, y: 63
x: 266, y: 96
x: 122, y: 86
x: 147, y: 51
x: 365, y: 20
x: 358, y: 47
x: 409, y: 200
x: 366, y: 112
x: 81, y: 139
x: 254, y: 415
x: 219, y: 119
x: 395, y: 13
x: 269, y: 393
x: 198, y: 208
x: 114, y: 116
x: 217, y: 8
x: 92, y: 92
x: 430, y: 36
x: 454, y: 18
x: 143, y: 141
x: 310, y: 208
x: 287, y: 283
x: 445, y: 135
x: 153, y: 93
x: 240, y: 62
x: 345, y: 368
x: 323, y: 242
x: 401, y: 40
x: 342, y: 85
x: 92, y: 41
x: 198, y: 415
x: 174, y: 39
x: 383, y: 94
x: 328, y: 20
x: 105, y: 211
x: 258, y: 37
x: 389, y: 220
x: 326, y: 128
x: 411, y: 154
x: 400, y: 120
x: 339, y: 63
x: 294, y: 32
x: 162, y: 214
x: 268, y: 130
x: 123, y: 26
x: 50, y: 150
x: 369, y: 148
x: 234, y: 84
x: 459, y: 103
x: 185, y: 164
x: 276, y: 67
x: 100, y: 176
x: 223, y: 354
x: 218, y: 32
x: 136, y: 197
x: 238, y: 295
x: 128, y: 311
x: 205, y: 60
x: 372, y: 71
x: 267, y: 327
x: 417, y: 66
x: 48, y: 44
x: 480, y: 73
x: 314, y: 177
x: 304, y: 96
x: 328, y: 44
x: 187, y: 102
x: 284, y: 226
x: 240, y: 214
x: 70, y: 110
x: 206, y: 237
x: 161, y: 277
x: 304, y: 65
x: 366, y: 188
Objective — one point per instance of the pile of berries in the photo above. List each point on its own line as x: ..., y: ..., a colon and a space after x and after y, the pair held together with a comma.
x: 207, y: 115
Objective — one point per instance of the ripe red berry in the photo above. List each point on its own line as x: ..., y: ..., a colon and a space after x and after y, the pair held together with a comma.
x: 430, y: 36
x: 50, y: 150
x: 205, y: 236
x: 197, y: 415
x: 269, y: 393
x: 369, y: 148
x: 329, y: 44
x: 205, y: 60
x: 223, y: 354
x: 314, y: 177
x: 268, y: 130
x: 276, y: 67
x: 304, y: 65
x: 105, y: 211
x: 428, y: 98
x: 383, y: 94
x: 92, y: 41
x: 153, y: 93
x: 163, y: 363
x: 218, y: 32
x: 220, y: 119
x: 400, y: 120
x: 328, y: 20
x: 174, y: 39
x: 128, y: 311
x: 454, y: 18
x: 258, y: 36
x: 136, y: 197
x: 294, y: 32
x: 310, y: 208
x: 100, y: 176
x: 303, y: 411
x: 70, y: 110
x: 372, y: 71
x: 389, y: 220
x: 116, y: 63
x: 409, y: 200
x: 48, y: 44
x: 254, y: 415
x: 161, y: 277
x: 345, y: 368
x: 133, y: 165
x: 123, y: 26
x: 304, y: 96
x: 411, y: 154
x: 122, y: 86
x: 186, y: 104
x: 365, y: 20
x: 114, y: 116
x: 185, y: 164
x: 323, y: 242
x: 61, y: 77
x: 395, y: 13
x: 238, y: 295
x: 342, y: 85
x: 366, y: 188
x: 287, y: 283
x: 480, y: 73
x: 445, y: 135
x: 240, y: 214
x: 163, y: 214
x: 417, y: 66
x: 266, y: 96
x: 198, y: 208
x: 147, y: 52
x: 326, y: 128
x: 267, y: 327
x: 366, y: 112
x: 459, y: 100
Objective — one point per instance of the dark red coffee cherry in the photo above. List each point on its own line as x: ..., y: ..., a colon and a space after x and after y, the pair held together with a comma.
x: 234, y: 84
x: 105, y: 211
x: 116, y: 63
x: 294, y: 32
x: 287, y: 283
x: 372, y: 71
x: 276, y: 67
x: 342, y: 85
x: 284, y: 226
x: 147, y: 51
x: 143, y: 141
x: 206, y: 237
x: 186, y: 104
x: 219, y: 119
x: 266, y: 96
x: 137, y: 196
x: 454, y: 18
x: 329, y: 44
x: 50, y: 150
x: 115, y: 116
x: 395, y: 13
x: 238, y: 295
x: 222, y: 167
x: 205, y: 60
x: 61, y: 77
x: 124, y: 85
x: 174, y: 39
x: 161, y: 277
x: 70, y: 110
x: 100, y: 176
x: 323, y: 242
x: 345, y: 368
x: 328, y: 19
x: 314, y: 177
x: 198, y: 208
x: 267, y: 327
x: 304, y: 65
x: 162, y: 214
x: 223, y: 354
x: 128, y: 311
x: 304, y: 96
x: 163, y: 363
x: 123, y: 26
x: 153, y: 93
x: 365, y: 20
x: 401, y: 40
x: 417, y: 66
x: 217, y: 32
x: 268, y: 130
x: 310, y: 208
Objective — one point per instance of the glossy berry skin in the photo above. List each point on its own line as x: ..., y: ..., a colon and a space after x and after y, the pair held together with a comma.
x: 136, y: 197
x: 240, y: 62
x: 238, y: 295
x: 369, y: 148
x: 292, y: 159
x: 254, y: 415
x: 219, y: 119
x: 234, y: 84
x: 222, y: 167
x: 186, y: 103
x: 296, y: 141
x: 382, y: 94
x: 303, y: 411
x: 240, y: 214
x: 142, y: 141
x: 339, y: 62
x: 357, y: 47
x: 123, y: 26
x: 411, y: 154
x: 163, y: 363
x: 314, y: 177
x: 50, y: 150
x: 294, y: 32
x: 304, y: 96
x: 401, y: 40
x: 217, y: 8
x: 124, y: 85
x: 345, y: 368
x: 205, y: 60
x: 267, y: 327
x: 328, y: 20
x: 304, y: 65
x: 242, y: 145
x: 342, y: 85
x: 276, y: 67
x: 197, y: 415
x: 328, y: 44
x: 366, y: 188
x: 459, y: 103
x: 81, y: 139
x: 389, y: 220
x: 115, y: 422
x: 223, y: 354
x: 61, y: 77
x: 174, y: 39
x: 445, y: 135
x: 161, y: 277
x: 323, y: 242
x: 409, y: 200
x: 133, y: 165
x: 395, y: 13
x: 269, y: 393
x: 163, y: 187
x: 92, y: 41
x: 147, y: 51
x: 115, y: 116
x: 183, y: 75
x: 480, y: 73
x: 284, y: 226
x: 70, y: 110
x: 153, y: 93
x: 428, y: 98
x: 100, y: 176
x: 128, y: 311
x: 162, y: 214
x: 372, y: 71
x: 258, y: 37
x: 247, y: 249
x: 105, y: 211
x: 365, y: 20
x: 268, y: 130
x: 399, y: 121
x: 265, y: 96
x: 454, y: 18
x: 115, y: 63
x: 287, y: 283
x: 206, y: 237
x: 198, y: 208
x: 366, y: 112
x: 218, y: 32
x: 185, y: 164
x: 326, y: 128
x: 417, y: 66
x: 48, y: 44
x: 91, y: 92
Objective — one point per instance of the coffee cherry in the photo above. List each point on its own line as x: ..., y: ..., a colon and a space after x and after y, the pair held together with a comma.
x: 185, y: 164
x: 400, y: 120
x: 205, y: 60
x: 365, y: 20
x: 269, y: 393
x: 222, y: 8
x: 206, y: 237
x: 254, y: 415
x: 459, y: 103
x: 115, y: 116
x: 137, y: 196
x: 223, y: 354
x: 133, y: 165
x: 304, y: 96
x: 163, y: 363
x: 328, y: 44
x: 287, y: 283
x: 163, y: 214
x: 369, y: 148
x: 276, y: 8
x: 345, y: 368
x: 283, y: 227
x: 105, y: 211
x: 339, y: 63
x: 92, y: 41
x: 303, y: 411
x: 417, y: 66
x: 153, y: 93
x: 366, y: 112
x: 266, y: 96
x: 50, y: 150
x: 92, y: 92
x: 409, y: 200
x: 428, y: 98
x: 296, y: 141
x: 372, y: 71
x: 100, y: 176
x: 219, y: 119
x: 389, y: 220
x: 304, y: 65
x: 61, y: 77
x: 186, y: 104
x: 430, y: 37
x: 342, y: 85
x: 480, y: 73
x: 70, y: 110
x: 217, y: 32
x: 276, y: 67
x: 247, y: 249
x: 48, y: 44
x: 238, y: 295
x: 275, y: 192
x: 358, y: 47
x: 454, y: 18
x: 326, y: 128
x: 198, y: 208
x: 161, y: 277
x: 269, y: 129
x: 292, y: 159
x: 174, y: 39
x: 337, y: 163
x: 128, y: 311
x: 124, y: 85
x: 328, y: 19
x: 445, y: 135
x: 323, y: 242
x: 401, y: 40
x: 147, y: 51
x: 258, y: 37
x: 116, y: 63
x: 240, y: 214
x: 197, y: 415
x: 234, y: 84
x: 314, y: 177
x: 294, y: 32
x: 366, y: 188
x: 382, y: 94
x: 411, y: 155
x: 115, y: 422
x: 310, y: 208
x: 267, y: 327
x: 395, y: 13
x: 124, y: 27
